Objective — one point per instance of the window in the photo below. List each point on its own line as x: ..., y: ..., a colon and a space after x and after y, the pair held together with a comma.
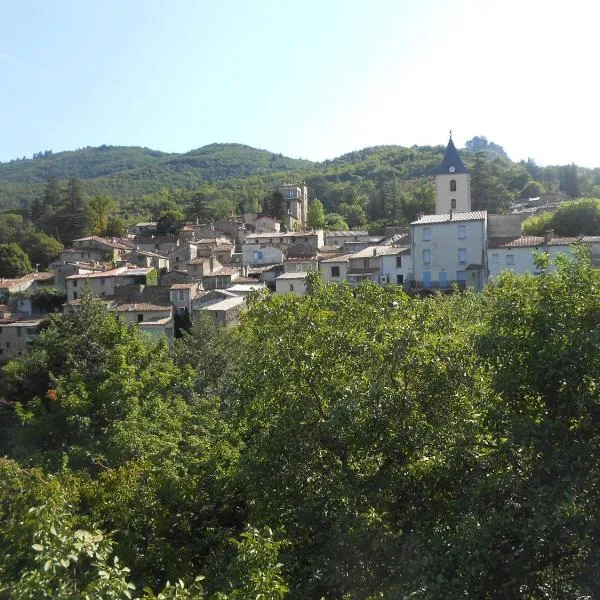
x: 462, y: 255
x: 140, y: 317
x: 453, y: 185
x: 426, y: 234
x: 181, y: 295
x: 257, y: 255
x: 74, y: 282
x: 398, y: 262
x: 495, y: 257
x: 510, y: 259
x: 399, y: 279
x: 365, y: 263
x: 289, y: 194
x: 74, y: 295
x: 8, y: 344
x: 291, y: 287
x: 335, y: 271
x: 102, y: 281
x: 461, y: 277
x: 453, y: 204
x: 426, y: 256
x: 462, y: 232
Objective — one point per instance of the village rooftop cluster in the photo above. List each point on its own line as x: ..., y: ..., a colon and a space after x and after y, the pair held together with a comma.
x: 150, y: 281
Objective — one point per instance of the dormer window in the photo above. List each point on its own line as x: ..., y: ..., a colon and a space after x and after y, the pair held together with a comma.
x: 453, y: 204
x: 453, y: 185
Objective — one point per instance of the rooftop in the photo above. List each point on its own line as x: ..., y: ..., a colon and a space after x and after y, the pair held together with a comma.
x: 41, y: 276
x: 298, y: 275
x: 455, y: 217
x: 118, y: 272
x: 95, y: 238
x: 141, y: 307
x: 224, y: 305
x: 452, y: 164
x: 346, y: 233
x: 183, y: 286
x: 532, y: 241
x: 338, y: 259
x: 374, y: 251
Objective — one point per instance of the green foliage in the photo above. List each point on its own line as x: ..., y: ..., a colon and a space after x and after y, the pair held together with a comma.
x: 577, y: 217
x: 533, y: 189
x: 170, y: 221
x: 381, y: 446
x: 100, y: 208
x: 47, y: 299
x: 42, y: 249
x: 13, y: 261
x: 487, y: 191
x: 316, y: 215
x: 152, y: 277
x: 538, y: 224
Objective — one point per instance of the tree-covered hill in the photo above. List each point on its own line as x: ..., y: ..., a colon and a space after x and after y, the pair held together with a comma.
x: 128, y: 171
x: 375, y: 187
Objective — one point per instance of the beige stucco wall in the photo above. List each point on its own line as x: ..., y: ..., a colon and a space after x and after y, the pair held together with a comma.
x: 444, y: 246
x: 443, y: 195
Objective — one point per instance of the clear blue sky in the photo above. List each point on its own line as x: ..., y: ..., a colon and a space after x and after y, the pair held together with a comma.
x: 311, y: 79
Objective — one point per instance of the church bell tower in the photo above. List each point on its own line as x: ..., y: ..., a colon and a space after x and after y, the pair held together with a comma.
x: 452, y: 183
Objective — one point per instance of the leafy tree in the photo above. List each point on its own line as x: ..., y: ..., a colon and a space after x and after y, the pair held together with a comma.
x: 42, y: 249
x: 353, y: 214
x: 580, y: 217
x: 533, y: 189
x: 335, y: 222
x: 538, y: 224
x: 570, y: 182
x: 13, y: 261
x: 316, y: 215
x: 275, y: 205
x: 115, y: 227
x: 100, y: 208
x: 487, y: 192
x: 74, y: 214
x: 170, y: 222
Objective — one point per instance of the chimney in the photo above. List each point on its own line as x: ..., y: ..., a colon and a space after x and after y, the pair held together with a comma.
x: 548, y: 235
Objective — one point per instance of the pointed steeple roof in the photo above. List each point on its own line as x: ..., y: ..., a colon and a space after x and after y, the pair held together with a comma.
x: 452, y: 162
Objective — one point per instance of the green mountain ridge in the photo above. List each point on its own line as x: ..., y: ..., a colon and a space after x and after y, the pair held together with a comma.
x: 380, y: 180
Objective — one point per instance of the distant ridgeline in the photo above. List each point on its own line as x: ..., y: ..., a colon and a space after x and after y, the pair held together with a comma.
x: 383, y: 185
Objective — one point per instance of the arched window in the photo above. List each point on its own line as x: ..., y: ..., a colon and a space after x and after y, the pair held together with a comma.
x: 453, y: 185
x: 453, y: 203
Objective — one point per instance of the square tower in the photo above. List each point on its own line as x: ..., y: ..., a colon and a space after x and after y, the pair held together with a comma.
x: 296, y: 202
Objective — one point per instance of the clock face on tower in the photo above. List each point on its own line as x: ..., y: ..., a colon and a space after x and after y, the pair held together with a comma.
x: 451, y: 169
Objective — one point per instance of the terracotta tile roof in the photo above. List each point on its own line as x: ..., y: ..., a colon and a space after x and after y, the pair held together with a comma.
x: 455, y: 217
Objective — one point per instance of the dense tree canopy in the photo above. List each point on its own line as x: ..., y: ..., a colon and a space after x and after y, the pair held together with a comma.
x: 345, y: 444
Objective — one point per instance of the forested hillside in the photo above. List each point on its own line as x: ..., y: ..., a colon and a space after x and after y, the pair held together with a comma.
x: 354, y: 444
x: 374, y: 187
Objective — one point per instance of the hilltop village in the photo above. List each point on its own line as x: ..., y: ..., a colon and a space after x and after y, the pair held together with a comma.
x: 161, y: 283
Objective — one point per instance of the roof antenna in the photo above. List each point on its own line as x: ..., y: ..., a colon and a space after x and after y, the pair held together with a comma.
x: 451, y: 134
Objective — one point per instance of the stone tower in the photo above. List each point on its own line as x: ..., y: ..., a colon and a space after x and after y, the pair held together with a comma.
x: 452, y: 183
